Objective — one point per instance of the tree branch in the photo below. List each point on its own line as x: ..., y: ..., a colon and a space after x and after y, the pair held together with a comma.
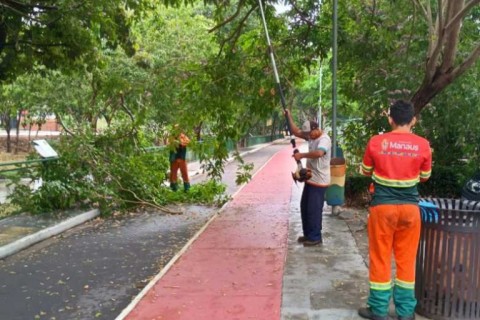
x: 237, y: 32
x: 141, y: 201
x: 231, y: 18
x: 467, y: 63
x: 424, y: 10
x: 462, y: 13
x: 124, y: 107
x: 451, y: 36
x: 59, y: 119
x: 435, y: 48
x: 302, y: 14
x: 440, y: 21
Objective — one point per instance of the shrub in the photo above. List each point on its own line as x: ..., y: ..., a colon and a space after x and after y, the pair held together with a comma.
x: 356, y: 191
x: 445, y: 182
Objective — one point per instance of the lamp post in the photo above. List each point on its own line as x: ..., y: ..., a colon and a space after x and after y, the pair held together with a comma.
x: 334, y: 79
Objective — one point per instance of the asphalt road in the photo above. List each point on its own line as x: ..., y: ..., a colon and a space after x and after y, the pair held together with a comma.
x: 94, y: 270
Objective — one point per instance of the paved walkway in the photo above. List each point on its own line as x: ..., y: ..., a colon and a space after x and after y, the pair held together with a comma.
x: 247, y: 264
x: 234, y: 270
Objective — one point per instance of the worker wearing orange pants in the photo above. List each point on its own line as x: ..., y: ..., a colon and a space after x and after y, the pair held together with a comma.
x: 181, y: 164
x: 178, y: 160
x: 397, y: 161
x: 393, y: 227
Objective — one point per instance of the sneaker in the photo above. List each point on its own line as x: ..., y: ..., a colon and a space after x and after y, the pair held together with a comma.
x: 412, y: 317
x: 301, y: 239
x: 368, y: 314
x: 310, y: 243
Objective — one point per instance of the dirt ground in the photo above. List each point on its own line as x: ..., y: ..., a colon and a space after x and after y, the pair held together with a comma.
x: 18, y: 150
x: 356, y: 219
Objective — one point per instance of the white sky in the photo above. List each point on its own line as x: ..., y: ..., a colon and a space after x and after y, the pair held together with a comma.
x: 281, y: 8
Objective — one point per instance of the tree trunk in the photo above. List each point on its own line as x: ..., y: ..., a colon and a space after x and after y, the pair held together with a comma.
x: 274, y: 125
x: 198, y: 131
x: 6, y: 119
x: 429, y: 90
x: 19, y: 119
x: 440, y: 68
x: 9, y: 139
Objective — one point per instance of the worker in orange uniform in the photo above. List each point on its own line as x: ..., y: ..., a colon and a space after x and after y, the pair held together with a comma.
x: 178, y: 160
x: 396, y: 161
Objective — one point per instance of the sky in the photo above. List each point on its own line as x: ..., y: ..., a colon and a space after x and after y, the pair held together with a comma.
x: 281, y: 8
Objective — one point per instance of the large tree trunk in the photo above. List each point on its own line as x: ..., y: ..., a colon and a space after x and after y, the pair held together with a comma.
x: 429, y: 90
x: 440, y: 67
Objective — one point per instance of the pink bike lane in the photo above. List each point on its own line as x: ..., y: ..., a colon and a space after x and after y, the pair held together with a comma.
x: 234, y: 269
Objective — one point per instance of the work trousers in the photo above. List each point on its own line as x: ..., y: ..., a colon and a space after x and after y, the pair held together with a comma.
x: 393, y: 228
x: 174, y: 166
x: 311, y: 209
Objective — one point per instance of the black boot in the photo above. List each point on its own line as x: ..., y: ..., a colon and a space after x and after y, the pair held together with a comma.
x: 367, y: 313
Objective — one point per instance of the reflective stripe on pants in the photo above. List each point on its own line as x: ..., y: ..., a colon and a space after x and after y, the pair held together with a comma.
x: 393, y: 228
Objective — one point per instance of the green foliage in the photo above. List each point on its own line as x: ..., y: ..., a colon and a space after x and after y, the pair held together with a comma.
x: 112, y: 171
x: 61, y: 189
x: 451, y: 124
x: 62, y: 34
x: 356, y: 190
x: 209, y: 193
x: 244, y: 171
x: 138, y: 77
x: 8, y: 209
x: 445, y: 182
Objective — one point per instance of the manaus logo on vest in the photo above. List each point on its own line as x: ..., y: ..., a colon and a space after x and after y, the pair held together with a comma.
x: 384, y: 145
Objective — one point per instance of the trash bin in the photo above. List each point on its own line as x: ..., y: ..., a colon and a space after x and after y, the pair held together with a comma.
x: 448, y: 260
x: 335, y: 194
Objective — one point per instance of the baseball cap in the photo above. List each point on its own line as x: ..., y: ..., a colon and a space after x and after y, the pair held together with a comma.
x: 309, y: 126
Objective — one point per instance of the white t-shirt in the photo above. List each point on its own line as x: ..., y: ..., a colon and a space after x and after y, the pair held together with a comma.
x: 320, y: 166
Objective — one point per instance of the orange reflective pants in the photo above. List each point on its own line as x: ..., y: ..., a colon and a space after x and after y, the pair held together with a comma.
x: 174, y: 166
x: 393, y: 228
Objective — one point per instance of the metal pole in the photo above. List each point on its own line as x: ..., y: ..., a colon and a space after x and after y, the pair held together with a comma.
x: 320, y: 119
x: 277, y: 78
x: 334, y: 80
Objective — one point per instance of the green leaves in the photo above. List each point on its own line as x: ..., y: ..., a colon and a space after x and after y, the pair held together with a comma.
x: 62, y: 34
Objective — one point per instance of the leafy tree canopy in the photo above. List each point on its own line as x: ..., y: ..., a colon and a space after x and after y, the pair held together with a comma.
x: 58, y: 33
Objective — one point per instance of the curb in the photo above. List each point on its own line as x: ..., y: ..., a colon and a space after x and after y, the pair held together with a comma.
x: 41, y: 235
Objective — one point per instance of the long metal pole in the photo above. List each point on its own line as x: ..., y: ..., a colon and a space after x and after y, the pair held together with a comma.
x: 275, y: 71
x: 334, y: 80
x: 320, y: 118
